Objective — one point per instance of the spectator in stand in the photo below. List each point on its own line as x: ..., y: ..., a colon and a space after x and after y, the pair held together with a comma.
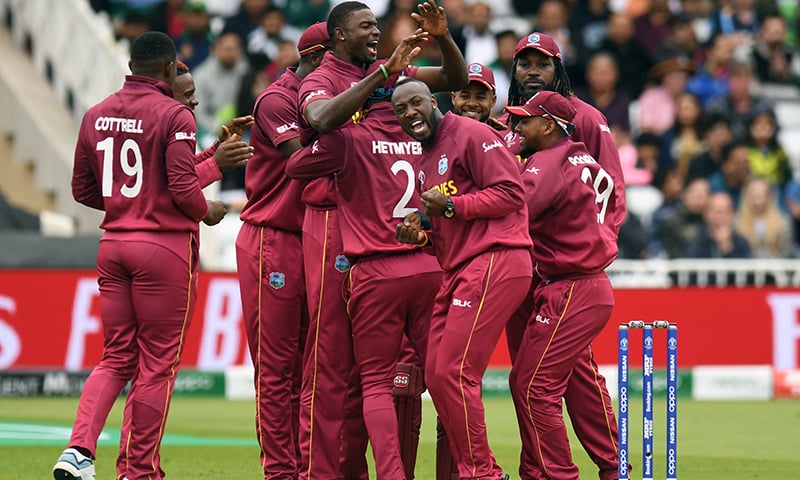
x: 711, y: 80
x: 772, y: 56
x: 654, y: 27
x: 602, y: 77
x: 700, y: 12
x: 739, y: 104
x: 791, y: 203
x: 683, y: 141
x: 767, y: 158
x: 218, y: 79
x: 588, y: 25
x: 394, y: 29
x: 631, y: 57
x: 715, y: 130
x: 501, y: 66
x: 790, y: 11
x: 457, y: 18
x: 683, y: 224
x: 762, y: 223
x: 130, y: 25
x: 552, y: 20
x: 247, y: 19
x: 670, y: 184
x: 657, y: 105
x: 648, y: 152
x: 718, y: 237
x: 526, y: 8
x: 263, y: 43
x: 632, y: 240
x: 480, y: 44
x: 633, y: 172
x: 733, y: 173
x: 737, y: 18
x: 302, y: 13
x: 682, y: 42
x: 194, y: 41
x: 167, y: 17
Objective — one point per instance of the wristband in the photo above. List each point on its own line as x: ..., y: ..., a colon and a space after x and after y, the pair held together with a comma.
x: 384, y: 71
x: 425, y: 241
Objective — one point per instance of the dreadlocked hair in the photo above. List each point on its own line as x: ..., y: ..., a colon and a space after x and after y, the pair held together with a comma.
x: 560, y: 85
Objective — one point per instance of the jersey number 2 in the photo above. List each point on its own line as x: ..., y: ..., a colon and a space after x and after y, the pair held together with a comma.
x: 130, y: 159
x: 600, y: 196
x: 400, y: 208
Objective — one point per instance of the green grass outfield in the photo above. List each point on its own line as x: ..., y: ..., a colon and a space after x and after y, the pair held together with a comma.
x: 213, y: 438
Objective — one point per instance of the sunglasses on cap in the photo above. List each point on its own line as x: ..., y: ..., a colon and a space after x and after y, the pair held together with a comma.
x: 568, y: 127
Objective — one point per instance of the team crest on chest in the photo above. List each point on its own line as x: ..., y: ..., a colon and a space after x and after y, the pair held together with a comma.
x: 277, y: 280
x: 443, y: 164
x: 342, y: 263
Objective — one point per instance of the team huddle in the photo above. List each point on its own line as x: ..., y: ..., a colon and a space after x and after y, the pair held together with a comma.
x: 385, y: 248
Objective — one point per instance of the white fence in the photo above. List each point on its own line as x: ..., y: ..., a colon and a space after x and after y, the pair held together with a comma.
x: 701, y: 272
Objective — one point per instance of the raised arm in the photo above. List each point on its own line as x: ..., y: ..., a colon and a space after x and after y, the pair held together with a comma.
x: 452, y: 74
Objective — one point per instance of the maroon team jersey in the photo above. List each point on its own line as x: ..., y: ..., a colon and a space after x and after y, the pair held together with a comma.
x: 469, y: 163
x: 373, y: 162
x: 206, y: 166
x: 135, y: 159
x: 591, y: 128
x: 570, y: 204
x: 332, y: 77
x: 272, y: 198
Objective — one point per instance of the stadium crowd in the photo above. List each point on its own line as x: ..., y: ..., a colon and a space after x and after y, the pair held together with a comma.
x: 682, y: 84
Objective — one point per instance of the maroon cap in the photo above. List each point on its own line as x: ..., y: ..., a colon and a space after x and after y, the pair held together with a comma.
x: 550, y: 105
x: 538, y: 41
x: 482, y: 74
x: 314, y: 38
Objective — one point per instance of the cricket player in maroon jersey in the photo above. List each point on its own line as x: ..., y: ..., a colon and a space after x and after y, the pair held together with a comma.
x: 390, y: 285
x: 269, y: 257
x: 570, y: 206
x: 471, y: 189
x: 477, y: 99
x: 537, y: 66
x: 228, y: 152
x: 329, y: 97
x: 135, y: 160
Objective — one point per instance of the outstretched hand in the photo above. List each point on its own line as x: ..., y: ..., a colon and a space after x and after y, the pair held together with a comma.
x: 406, y: 51
x: 236, y: 126
x: 431, y: 18
x: 232, y: 153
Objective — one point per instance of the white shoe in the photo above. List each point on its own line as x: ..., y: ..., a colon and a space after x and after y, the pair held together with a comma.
x: 73, y: 465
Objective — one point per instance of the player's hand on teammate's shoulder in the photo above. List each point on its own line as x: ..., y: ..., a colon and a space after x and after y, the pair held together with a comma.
x: 237, y: 126
x: 431, y: 18
x: 216, y: 211
x: 497, y: 124
x: 232, y: 153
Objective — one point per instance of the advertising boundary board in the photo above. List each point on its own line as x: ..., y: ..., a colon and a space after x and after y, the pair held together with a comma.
x: 50, y: 320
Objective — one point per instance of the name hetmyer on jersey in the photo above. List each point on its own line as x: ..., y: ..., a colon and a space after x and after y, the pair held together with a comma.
x: 396, y: 148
